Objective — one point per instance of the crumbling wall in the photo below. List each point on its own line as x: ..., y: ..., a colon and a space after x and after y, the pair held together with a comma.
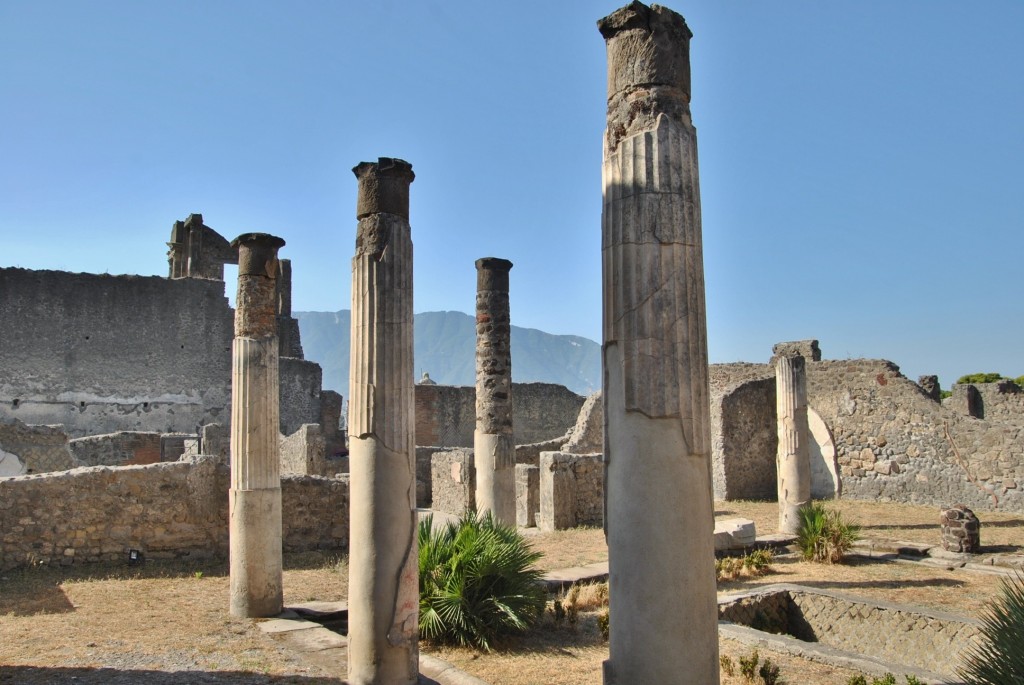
x: 446, y: 414
x: 571, y: 490
x: 744, y: 439
x: 165, y: 510
x: 100, y: 353
x: 32, y: 449
x: 1002, y: 401
x: 453, y: 480
x: 117, y: 449
x: 895, y: 443
x: 302, y: 452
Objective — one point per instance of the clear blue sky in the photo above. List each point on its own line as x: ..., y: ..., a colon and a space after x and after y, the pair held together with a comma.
x: 862, y: 163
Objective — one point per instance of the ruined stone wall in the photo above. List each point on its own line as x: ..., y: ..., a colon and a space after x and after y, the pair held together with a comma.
x: 101, y: 353
x: 891, y: 440
x: 743, y: 427
x: 571, y: 490
x: 446, y: 414
x: 299, y: 393
x: 1002, y: 401
x: 166, y: 510
x: 302, y: 452
x: 117, y: 449
x: 453, y: 480
x: 32, y: 449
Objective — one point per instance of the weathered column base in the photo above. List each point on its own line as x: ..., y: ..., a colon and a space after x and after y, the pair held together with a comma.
x: 660, y: 531
x: 383, y: 578
x: 255, y: 534
x: 495, y: 475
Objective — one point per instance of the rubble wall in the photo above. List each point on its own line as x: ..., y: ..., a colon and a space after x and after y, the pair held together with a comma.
x: 116, y: 449
x: 165, y: 510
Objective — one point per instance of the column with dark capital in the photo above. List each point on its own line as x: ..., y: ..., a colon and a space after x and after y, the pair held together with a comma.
x: 793, y: 460
x: 383, y: 592
x: 659, y: 515
x: 254, y: 501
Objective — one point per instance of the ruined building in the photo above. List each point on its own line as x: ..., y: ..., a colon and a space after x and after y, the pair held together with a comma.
x: 143, y: 360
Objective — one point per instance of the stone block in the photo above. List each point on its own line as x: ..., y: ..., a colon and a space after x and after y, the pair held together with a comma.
x: 734, y: 534
x: 527, y: 495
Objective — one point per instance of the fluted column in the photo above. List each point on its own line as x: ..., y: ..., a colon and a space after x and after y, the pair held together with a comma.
x: 383, y: 592
x: 256, y: 588
x: 793, y: 462
x: 494, y: 448
x: 658, y: 507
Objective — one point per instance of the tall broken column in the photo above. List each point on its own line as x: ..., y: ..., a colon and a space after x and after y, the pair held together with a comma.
x: 494, y: 450
x: 793, y: 462
x: 383, y: 590
x: 254, y: 501
x: 658, y: 508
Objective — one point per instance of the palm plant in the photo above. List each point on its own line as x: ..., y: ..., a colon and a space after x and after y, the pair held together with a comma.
x: 999, y: 657
x: 824, y: 535
x: 477, y: 581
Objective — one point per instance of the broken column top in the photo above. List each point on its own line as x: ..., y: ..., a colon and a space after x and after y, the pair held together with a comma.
x: 647, y: 46
x: 383, y: 187
x: 257, y: 254
x: 492, y: 273
x: 808, y: 349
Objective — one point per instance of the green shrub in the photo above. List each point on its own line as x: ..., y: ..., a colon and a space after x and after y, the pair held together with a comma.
x: 1019, y: 380
x: 725, y: 662
x: 980, y: 378
x: 769, y: 673
x: 477, y: 581
x: 604, y: 623
x: 999, y: 658
x: 823, y: 534
x: 748, y: 665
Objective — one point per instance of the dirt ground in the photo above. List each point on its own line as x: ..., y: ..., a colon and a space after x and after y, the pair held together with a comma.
x: 167, y: 623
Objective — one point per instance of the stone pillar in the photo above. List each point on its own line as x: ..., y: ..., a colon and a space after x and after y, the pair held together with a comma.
x: 793, y: 460
x: 383, y: 592
x: 658, y: 508
x: 254, y: 500
x: 493, y: 445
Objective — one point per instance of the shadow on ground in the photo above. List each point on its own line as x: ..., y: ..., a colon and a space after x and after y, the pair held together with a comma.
x: 40, y: 675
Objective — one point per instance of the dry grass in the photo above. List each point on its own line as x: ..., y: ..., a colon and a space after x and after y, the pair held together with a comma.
x: 167, y: 617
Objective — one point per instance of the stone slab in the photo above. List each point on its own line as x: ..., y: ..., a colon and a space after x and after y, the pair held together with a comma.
x: 285, y: 625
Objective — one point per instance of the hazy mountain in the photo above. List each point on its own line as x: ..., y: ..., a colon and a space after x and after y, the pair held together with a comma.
x: 445, y: 347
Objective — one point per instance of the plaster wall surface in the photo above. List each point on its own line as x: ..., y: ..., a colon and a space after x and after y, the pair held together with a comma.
x: 100, y: 353
x: 117, y: 449
x: 33, y: 449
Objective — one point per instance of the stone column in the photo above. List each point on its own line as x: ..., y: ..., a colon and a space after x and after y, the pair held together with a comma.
x: 793, y: 462
x: 383, y: 590
x: 254, y: 501
x: 494, y: 449
x: 659, y: 518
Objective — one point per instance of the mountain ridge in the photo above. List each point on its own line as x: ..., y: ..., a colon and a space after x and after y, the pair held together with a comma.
x: 445, y: 347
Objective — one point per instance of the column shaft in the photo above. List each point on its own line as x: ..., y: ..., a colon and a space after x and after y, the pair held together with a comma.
x: 383, y: 601
x: 793, y: 462
x: 658, y: 506
x: 254, y: 501
x: 493, y: 443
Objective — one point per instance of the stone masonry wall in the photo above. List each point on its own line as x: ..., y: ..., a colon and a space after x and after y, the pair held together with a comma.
x: 166, y: 510
x: 571, y: 490
x: 453, y: 481
x: 743, y: 427
x: 446, y: 414
x: 33, y: 449
x: 117, y: 449
x: 299, y: 391
x: 910, y: 636
x: 101, y: 353
x: 1002, y: 401
x: 894, y: 443
x: 302, y: 452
